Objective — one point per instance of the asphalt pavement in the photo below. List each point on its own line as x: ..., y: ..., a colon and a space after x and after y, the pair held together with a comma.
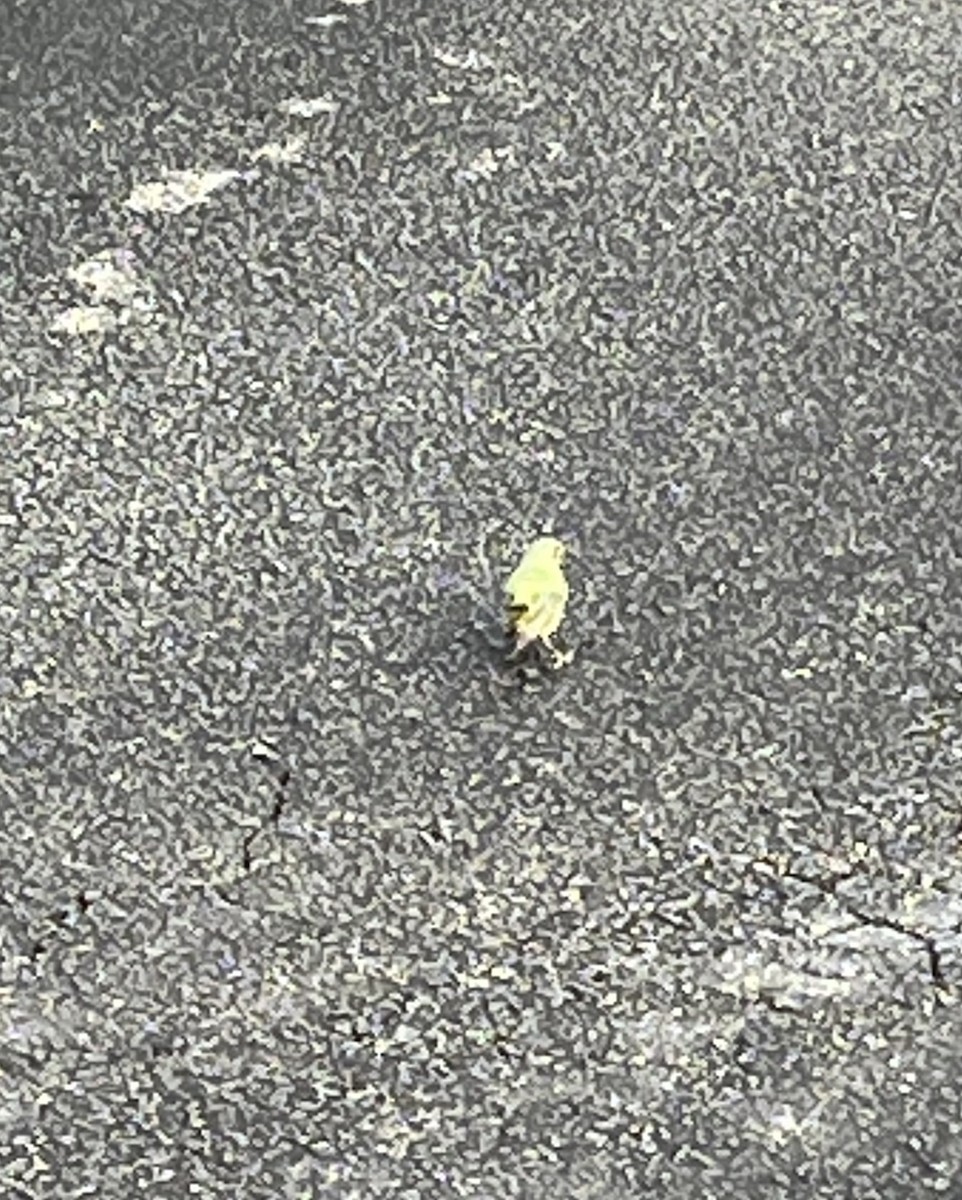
x: 311, y: 317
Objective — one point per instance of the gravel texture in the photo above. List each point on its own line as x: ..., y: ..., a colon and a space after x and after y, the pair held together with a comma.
x: 311, y: 317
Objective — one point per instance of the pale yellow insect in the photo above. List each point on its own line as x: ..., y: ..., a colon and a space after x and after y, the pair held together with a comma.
x: 537, y: 594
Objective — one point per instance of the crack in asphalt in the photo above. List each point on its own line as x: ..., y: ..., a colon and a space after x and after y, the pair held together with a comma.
x: 876, y: 921
x: 281, y: 798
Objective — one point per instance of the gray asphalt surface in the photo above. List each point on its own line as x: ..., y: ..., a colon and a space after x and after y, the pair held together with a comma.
x: 305, y: 893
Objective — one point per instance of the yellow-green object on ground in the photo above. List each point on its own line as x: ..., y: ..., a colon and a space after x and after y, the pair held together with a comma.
x: 537, y: 595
